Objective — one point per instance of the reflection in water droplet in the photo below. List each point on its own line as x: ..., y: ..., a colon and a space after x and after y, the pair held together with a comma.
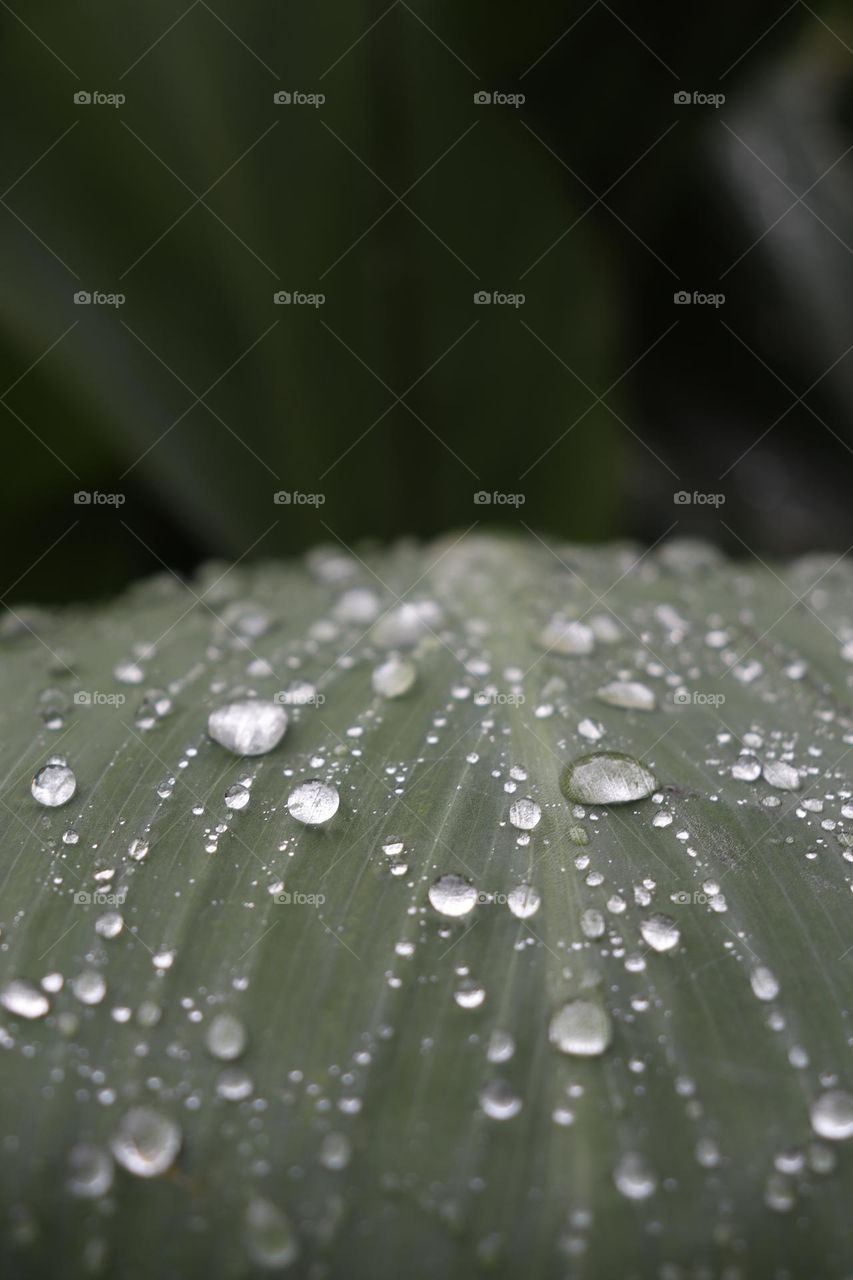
x: 606, y: 777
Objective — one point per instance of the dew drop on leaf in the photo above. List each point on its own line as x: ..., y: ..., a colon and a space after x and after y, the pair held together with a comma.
x: 394, y: 677
x: 452, y: 895
x: 606, y: 777
x: 832, y: 1114
x: 270, y: 1239
x: 499, y: 1100
x: 313, y: 802
x: 660, y: 932
x: 524, y: 813
x: 581, y: 1028
x: 523, y: 901
x: 146, y: 1143
x: 630, y: 695
x: 23, y: 999
x: 250, y: 728
x: 55, y: 784
x: 226, y: 1037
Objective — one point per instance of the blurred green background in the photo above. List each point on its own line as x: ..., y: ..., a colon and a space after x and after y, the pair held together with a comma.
x: 398, y: 198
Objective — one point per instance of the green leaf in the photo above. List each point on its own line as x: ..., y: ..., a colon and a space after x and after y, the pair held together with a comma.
x: 371, y: 1140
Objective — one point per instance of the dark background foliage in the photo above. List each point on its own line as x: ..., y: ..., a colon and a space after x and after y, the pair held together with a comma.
x: 398, y: 199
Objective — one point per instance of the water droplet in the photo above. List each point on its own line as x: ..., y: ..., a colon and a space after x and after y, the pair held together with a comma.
x: 270, y: 1239
x: 394, y: 678
x: 581, y: 1028
x: 501, y: 1047
x: 335, y: 1151
x: 746, y: 769
x: 54, y: 785
x: 109, y: 925
x: 634, y: 1178
x: 313, y: 802
x: 523, y: 901
x: 226, y: 1037
x: 89, y: 986
x: 763, y: 983
x: 90, y: 1171
x: 234, y: 1085
x: 248, y: 728
x: 499, y: 1100
x: 469, y: 994
x: 628, y: 694
x: 832, y: 1115
x: 592, y: 730
x: 607, y: 777
x: 403, y: 627
x: 23, y: 999
x: 562, y: 636
x: 524, y: 813
x: 146, y: 1143
x: 237, y: 796
x: 660, y: 932
x: 782, y: 776
x: 452, y: 895
x: 592, y: 924
x: 138, y: 848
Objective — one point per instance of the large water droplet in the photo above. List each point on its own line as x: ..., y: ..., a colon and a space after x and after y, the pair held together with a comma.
x: 452, y: 895
x: 660, y: 932
x: 394, y: 678
x: 581, y: 1028
x: 23, y: 999
x: 249, y: 728
x: 607, y: 777
x: 782, y: 776
x: 55, y: 784
x: 628, y: 694
x: 146, y: 1143
x: 523, y: 901
x: 832, y: 1114
x: 524, y: 813
x: 764, y: 983
x: 270, y: 1239
x: 313, y: 802
x: 226, y: 1037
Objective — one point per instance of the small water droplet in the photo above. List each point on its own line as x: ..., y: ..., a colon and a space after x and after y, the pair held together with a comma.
x: 23, y: 999
x: 782, y: 776
x: 634, y: 1178
x: 832, y: 1115
x: 237, y: 796
x: 313, y: 802
x: 746, y: 768
x: 335, y: 1151
x: 763, y: 982
x: 90, y: 1171
x: 571, y: 639
x: 628, y: 694
x: 89, y: 986
x: 234, y: 1085
x: 501, y: 1047
x: 394, y: 678
x: 249, y: 728
x: 270, y: 1239
x: 499, y: 1100
x: 581, y: 1028
x: 523, y: 901
x: 226, y: 1037
x: 146, y: 1143
x: 524, y: 813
